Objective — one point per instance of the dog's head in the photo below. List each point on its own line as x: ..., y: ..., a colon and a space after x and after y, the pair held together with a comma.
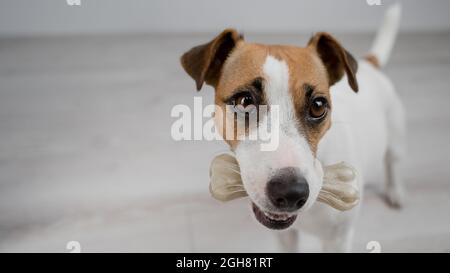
x: 286, y: 181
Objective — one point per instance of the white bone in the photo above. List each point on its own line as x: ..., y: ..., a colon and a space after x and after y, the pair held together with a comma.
x: 339, y: 190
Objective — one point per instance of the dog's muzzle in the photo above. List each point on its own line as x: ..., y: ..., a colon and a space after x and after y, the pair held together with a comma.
x: 287, y: 191
x: 273, y: 220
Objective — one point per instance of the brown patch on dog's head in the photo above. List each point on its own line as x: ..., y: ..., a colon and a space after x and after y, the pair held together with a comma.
x: 231, y: 66
x: 242, y: 69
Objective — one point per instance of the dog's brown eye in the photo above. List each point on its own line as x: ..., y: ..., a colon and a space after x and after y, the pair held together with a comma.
x: 318, y: 108
x: 243, y: 101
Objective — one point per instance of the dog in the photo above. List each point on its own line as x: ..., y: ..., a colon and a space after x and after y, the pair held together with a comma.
x: 332, y: 108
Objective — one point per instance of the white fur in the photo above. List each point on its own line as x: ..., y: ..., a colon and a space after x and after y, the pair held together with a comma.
x: 367, y: 132
x: 384, y: 41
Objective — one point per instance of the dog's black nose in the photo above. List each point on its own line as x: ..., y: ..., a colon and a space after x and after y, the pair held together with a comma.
x: 288, y: 190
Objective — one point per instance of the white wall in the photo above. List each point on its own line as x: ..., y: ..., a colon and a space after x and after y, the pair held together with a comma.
x: 18, y: 17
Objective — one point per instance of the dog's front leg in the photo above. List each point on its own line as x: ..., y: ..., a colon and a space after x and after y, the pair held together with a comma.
x: 288, y: 240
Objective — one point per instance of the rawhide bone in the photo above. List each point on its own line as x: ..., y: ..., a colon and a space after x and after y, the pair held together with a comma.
x: 339, y: 189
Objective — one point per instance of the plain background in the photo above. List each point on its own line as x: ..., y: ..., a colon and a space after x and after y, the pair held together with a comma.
x: 85, y: 147
x: 25, y: 17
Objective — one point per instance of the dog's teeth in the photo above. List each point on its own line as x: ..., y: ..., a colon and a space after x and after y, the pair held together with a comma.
x: 279, y: 217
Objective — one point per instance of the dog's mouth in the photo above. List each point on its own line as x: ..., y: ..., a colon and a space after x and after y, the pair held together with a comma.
x: 273, y: 220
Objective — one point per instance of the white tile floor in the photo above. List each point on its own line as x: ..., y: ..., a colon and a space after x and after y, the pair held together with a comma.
x: 86, y: 152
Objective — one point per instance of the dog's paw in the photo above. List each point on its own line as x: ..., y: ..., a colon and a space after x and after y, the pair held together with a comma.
x: 394, y: 198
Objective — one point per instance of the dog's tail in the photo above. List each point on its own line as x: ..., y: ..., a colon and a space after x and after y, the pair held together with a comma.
x: 385, y: 38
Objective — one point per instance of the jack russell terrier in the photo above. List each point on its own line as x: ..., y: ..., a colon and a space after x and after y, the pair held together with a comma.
x: 332, y: 107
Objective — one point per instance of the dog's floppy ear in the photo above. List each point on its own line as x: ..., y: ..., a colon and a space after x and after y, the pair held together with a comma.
x: 335, y: 58
x: 204, y: 62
